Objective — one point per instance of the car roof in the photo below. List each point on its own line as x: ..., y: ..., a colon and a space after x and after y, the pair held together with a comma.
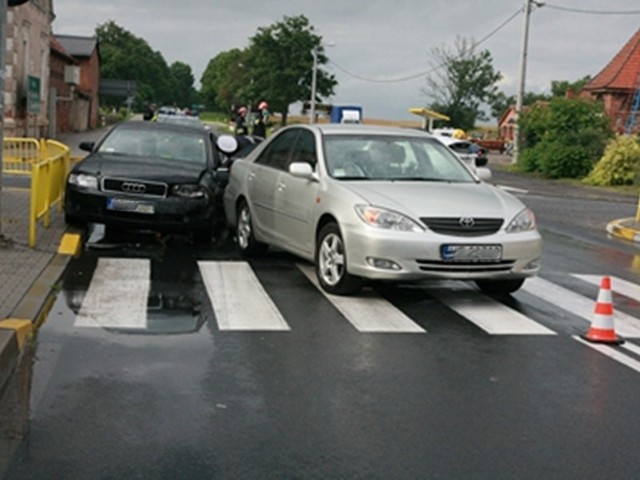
x: 355, y: 129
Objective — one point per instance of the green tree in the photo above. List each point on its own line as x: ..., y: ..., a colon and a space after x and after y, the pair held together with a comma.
x: 279, y: 63
x: 126, y: 57
x: 461, y: 83
x: 559, y: 88
x: 225, y: 81
x: 563, y: 137
x: 184, y: 93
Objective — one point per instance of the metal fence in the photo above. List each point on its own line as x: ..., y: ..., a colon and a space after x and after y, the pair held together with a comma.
x: 47, y: 162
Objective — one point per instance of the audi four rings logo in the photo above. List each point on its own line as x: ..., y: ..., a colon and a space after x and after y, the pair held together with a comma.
x: 467, y: 222
x: 133, y: 187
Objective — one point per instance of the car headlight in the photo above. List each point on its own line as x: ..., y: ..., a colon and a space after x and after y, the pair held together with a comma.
x: 522, y: 222
x: 83, y: 180
x: 189, y: 191
x: 387, y: 219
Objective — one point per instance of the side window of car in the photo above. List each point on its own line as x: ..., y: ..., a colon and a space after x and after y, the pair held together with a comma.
x: 277, y: 154
x: 305, y: 149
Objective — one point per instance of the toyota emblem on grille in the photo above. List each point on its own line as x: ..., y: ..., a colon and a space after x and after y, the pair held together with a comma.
x: 467, y: 222
x: 133, y: 187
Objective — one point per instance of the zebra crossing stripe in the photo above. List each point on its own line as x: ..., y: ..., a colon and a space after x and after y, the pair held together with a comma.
x: 117, y: 295
x: 613, y: 353
x: 368, y: 312
x: 490, y: 315
x: 625, y: 325
x: 632, y: 348
x: 238, y: 299
x: 618, y: 285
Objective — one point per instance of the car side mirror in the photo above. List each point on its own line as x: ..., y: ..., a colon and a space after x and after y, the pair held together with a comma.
x: 481, y: 161
x: 301, y: 170
x: 86, y: 146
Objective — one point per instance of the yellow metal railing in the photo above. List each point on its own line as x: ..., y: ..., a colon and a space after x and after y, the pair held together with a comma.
x: 47, y: 162
x: 19, y: 155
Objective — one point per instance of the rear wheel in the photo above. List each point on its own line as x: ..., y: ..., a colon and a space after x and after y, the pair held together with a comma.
x: 499, y: 287
x: 246, y: 240
x: 331, y: 263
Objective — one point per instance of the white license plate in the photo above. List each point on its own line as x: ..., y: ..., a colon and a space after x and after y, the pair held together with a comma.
x: 471, y: 253
x: 126, y: 205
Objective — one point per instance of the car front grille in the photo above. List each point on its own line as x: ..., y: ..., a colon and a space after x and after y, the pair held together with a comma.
x: 134, y: 187
x: 464, y: 267
x: 463, y: 226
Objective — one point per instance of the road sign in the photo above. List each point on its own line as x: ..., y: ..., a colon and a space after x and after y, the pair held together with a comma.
x: 33, y: 94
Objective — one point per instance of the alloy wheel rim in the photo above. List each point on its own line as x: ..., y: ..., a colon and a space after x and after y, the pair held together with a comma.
x: 331, y: 260
x: 244, y: 228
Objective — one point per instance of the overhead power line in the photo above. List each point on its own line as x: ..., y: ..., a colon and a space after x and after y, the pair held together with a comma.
x: 485, y: 38
x: 426, y: 72
x: 592, y: 12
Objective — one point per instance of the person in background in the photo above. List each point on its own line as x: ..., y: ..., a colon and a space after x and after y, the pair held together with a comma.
x: 260, y: 124
x: 241, y: 122
x: 150, y: 113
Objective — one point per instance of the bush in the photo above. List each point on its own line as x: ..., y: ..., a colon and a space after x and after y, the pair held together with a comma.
x: 555, y: 159
x: 619, y: 164
x: 563, y: 138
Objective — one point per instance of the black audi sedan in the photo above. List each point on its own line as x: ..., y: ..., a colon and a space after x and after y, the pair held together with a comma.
x: 149, y: 176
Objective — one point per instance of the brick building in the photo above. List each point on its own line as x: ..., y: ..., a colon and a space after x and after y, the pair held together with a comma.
x: 85, y: 51
x: 51, y: 82
x: 616, y: 84
x: 27, y: 69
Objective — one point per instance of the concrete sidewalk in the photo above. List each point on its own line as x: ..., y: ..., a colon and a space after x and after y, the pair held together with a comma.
x: 28, y: 275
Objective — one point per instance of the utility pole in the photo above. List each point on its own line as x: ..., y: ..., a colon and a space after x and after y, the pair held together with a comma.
x: 314, y: 73
x: 3, y: 54
x: 523, y: 73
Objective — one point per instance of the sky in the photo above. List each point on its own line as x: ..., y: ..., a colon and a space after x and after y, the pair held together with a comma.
x: 380, y: 50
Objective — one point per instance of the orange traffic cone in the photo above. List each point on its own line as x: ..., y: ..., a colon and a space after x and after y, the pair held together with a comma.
x: 602, y: 330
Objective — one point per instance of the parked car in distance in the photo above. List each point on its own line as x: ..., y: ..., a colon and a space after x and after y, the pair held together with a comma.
x: 149, y: 176
x: 375, y: 203
x: 470, y: 153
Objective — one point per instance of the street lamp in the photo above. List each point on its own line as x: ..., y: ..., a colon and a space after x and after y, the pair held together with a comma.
x: 314, y: 75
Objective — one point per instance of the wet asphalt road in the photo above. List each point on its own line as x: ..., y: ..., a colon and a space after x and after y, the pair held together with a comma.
x: 184, y: 398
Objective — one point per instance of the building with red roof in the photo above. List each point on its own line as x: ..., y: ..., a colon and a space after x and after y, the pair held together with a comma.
x: 617, y: 84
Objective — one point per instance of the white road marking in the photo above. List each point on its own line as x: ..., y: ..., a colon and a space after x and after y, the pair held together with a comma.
x: 618, y: 285
x: 624, y: 324
x: 117, y: 295
x: 490, y: 315
x: 613, y: 353
x: 239, y: 301
x: 513, y: 189
x: 632, y: 348
x: 368, y: 312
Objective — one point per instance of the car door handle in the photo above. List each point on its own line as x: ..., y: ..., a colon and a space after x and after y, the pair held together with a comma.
x: 251, y: 176
x: 281, y: 187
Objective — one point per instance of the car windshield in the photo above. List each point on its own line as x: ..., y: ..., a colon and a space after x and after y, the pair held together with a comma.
x: 179, y: 146
x: 369, y: 157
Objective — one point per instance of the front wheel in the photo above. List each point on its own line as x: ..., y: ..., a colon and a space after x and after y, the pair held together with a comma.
x: 246, y: 240
x: 331, y: 263
x: 499, y: 287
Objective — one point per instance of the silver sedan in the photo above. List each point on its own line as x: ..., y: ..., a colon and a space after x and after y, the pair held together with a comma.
x: 377, y: 203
